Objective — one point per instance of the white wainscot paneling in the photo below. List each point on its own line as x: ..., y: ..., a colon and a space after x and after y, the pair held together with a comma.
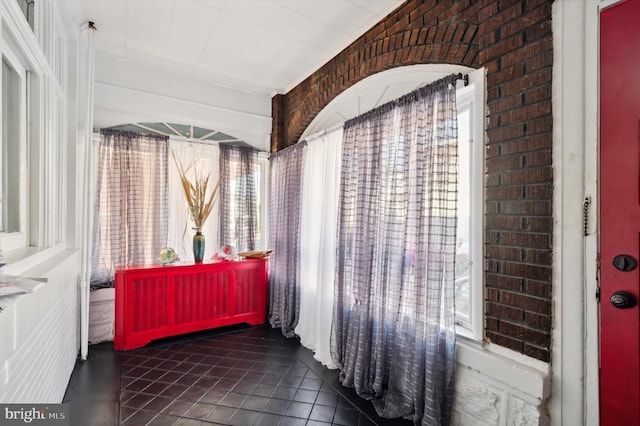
x: 499, y: 388
x: 39, y: 334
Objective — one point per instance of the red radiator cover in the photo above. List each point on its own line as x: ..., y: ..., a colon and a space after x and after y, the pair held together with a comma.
x: 158, y: 301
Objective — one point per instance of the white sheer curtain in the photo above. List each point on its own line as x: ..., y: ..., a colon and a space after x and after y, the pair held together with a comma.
x: 206, y: 157
x: 321, y: 186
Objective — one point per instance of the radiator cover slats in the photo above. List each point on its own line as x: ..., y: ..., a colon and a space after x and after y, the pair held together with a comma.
x: 160, y: 301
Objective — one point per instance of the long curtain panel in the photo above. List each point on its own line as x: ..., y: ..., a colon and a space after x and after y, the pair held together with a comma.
x: 239, y: 197
x: 394, y: 338
x: 203, y: 157
x: 285, y: 202
x: 131, y: 213
x: 321, y: 185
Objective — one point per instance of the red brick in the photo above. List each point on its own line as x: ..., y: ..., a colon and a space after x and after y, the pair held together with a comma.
x: 505, y: 193
x: 504, y: 282
x: 500, y: 134
x: 526, y: 113
x: 539, y: 125
x: 503, y: 163
x: 537, y: 175
x: 540, y: 322
x: 492, y: 294
x: 526, y: 144
x: 542, y: 354
x: 526, y: 239
x: 535, y: 272
x: 538, y: 31
x: 492, y: 207
x: 499, y: 49
x: 541, y: 61
x: 492, y: 180
x: 539, y: 93
x: 503, y: 253
x: 505, y: 341
x: 528, y: 303
x: 533, y: 4
x: 492, y: 237
x: 501, y: 18
x: 506, y: 103
x: 517, y: 331
x: 470, y: 33
x: 526, y: 20
x: 507, y: 223
x: 538, y: 288
x: 491, y: 265
x: 527, y: 208
x: 492, y: 323
x: 539, y: 192
x: 538, y: 224
x: 492, y: 151
x: 527, y: 82
x: 504, y: 312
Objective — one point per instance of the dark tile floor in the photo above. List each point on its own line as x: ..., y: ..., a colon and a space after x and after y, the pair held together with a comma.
x: 233, y: 376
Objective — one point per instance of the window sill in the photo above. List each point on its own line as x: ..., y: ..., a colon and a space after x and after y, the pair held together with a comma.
x: 22, y: 260
x: 466, y: 333
x: 527, y: 376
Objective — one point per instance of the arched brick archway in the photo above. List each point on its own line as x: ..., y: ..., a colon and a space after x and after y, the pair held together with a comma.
x: 376, y: 90
x: 388, y: 45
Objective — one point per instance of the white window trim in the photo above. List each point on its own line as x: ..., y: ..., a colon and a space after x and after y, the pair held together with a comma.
x: 17, y: 36
x: 17, y: 239
x: 474, y: 95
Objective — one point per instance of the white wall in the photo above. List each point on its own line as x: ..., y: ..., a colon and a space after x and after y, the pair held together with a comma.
x: 40, y: 331
x: 130, y: 92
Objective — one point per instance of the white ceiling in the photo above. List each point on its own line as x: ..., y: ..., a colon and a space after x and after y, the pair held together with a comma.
x: 264, y: 46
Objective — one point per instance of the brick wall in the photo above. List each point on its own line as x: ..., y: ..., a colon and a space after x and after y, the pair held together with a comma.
x: 512, y: 39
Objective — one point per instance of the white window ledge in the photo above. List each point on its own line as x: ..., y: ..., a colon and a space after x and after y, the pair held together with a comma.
x: 528, y: 378
x: 28, y: 260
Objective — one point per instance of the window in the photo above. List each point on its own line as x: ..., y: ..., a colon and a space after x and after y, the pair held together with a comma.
x: 131, y: 210
x: 469, y: 254
x: 33, y: 150
x: 240, y: 204
x: 13, y: 153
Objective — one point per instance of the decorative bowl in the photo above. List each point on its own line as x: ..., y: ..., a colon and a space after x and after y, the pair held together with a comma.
x: 167, y: 256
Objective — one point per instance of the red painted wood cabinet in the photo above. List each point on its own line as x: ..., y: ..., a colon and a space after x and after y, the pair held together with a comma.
x: 158, y: 301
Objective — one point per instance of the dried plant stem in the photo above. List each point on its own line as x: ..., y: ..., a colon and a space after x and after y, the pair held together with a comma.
x: 199, y: 205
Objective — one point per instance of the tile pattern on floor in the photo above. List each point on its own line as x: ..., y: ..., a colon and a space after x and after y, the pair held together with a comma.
x: 238, y: 376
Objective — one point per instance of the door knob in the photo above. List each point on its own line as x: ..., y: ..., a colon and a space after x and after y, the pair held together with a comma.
x: 623, y: 299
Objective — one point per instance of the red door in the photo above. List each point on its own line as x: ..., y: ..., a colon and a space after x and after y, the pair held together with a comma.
x: 620, y: 213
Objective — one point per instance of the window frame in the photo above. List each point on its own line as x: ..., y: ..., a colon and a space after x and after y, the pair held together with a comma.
x: 41, y: 168
x: 472, y: 97
x: 16, y: 239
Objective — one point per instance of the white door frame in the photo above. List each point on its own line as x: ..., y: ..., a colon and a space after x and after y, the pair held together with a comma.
x: 575, y: 379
